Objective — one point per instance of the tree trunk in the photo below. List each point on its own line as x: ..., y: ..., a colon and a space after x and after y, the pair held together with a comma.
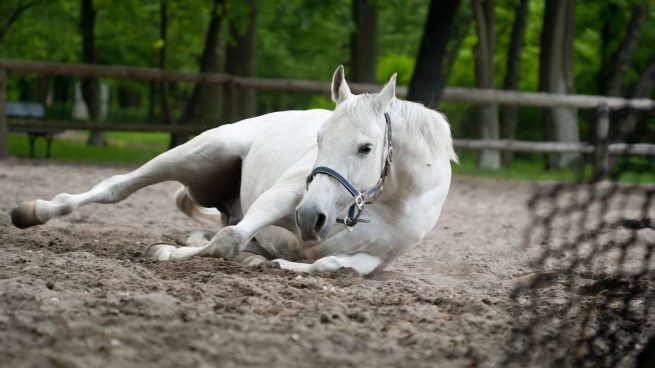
x: 616, y: 65
x: 484, y: 78
x: 152, y: 96
x: 240, y: 60
x: 42, y: 89
x: 643, y: 89
x: 510, y: 114
x: 128, y: 97
x: 167, y: 114
x: 90, y: 86
x: 556, y: 76
x: 166, y: 110
x: 428, y: 80
x: 204, y: 104
x: 60, y: 89
x: 363, y: 42
x: 458, y: 34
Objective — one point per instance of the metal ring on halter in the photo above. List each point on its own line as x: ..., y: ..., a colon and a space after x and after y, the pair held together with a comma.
x: 348, y: 223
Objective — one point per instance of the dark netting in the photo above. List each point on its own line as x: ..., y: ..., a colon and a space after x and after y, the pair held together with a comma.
x: 591, y: 299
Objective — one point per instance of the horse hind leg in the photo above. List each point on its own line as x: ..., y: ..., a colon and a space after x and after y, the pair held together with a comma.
x: 202, y: 215
x: 189, y: 164
x: 110, y: 190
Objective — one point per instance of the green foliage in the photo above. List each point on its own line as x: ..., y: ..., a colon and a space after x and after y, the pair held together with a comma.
x: 394, y: 63
x: 321, y: 102
x: 306, y: 39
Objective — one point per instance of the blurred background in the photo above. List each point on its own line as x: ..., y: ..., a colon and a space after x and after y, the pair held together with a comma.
x: 572, y: 47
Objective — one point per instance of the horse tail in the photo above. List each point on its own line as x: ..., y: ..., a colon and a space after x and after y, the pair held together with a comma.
x: 186, y: 204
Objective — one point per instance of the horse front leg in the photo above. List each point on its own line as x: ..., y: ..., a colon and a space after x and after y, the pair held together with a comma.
x: 272, y: 206
x: 362, y: 263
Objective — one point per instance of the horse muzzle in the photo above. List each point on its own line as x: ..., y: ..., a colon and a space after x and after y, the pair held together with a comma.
x: 313, y: 222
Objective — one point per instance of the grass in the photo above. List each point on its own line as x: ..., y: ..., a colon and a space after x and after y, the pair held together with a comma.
x: 519, y: 169
x: 124, y: 147
x: 532, y: 167
x: 137, y: 148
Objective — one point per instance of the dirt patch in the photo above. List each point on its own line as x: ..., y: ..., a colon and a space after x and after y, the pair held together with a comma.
x: 75, y: 292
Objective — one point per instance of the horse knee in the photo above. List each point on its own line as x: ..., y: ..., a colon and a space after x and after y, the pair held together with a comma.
x: 227, y: 243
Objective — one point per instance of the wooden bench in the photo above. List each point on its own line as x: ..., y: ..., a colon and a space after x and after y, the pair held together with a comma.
x: 30, y: 110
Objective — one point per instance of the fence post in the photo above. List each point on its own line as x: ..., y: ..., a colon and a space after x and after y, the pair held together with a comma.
x: 4, y: 127
x: 601, y: 153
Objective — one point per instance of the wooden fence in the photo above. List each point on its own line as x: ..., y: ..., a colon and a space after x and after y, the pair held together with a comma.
x: 601, y: 150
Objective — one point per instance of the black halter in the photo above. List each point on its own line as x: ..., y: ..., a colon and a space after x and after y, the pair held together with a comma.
x: 364, y: 197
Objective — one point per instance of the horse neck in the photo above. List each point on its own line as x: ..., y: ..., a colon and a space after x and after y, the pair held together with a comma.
x: 415, y: 168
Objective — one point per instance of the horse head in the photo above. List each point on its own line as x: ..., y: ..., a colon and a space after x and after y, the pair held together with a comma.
x: 354, y: 154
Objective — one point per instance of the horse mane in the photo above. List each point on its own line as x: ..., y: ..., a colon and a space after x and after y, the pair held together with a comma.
x: 416, y: 121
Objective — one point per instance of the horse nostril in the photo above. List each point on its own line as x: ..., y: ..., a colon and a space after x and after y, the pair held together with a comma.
x: 321, y: 219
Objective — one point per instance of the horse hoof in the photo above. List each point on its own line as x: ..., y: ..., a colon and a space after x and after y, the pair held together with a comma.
x: 159, y: 252
x: 24, y: 215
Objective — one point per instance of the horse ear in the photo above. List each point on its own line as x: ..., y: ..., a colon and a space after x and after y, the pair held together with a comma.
x: 387, y: 93
x: 340, y: 89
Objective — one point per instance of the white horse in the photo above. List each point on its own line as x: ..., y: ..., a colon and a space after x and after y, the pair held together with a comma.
x: 292, y: 185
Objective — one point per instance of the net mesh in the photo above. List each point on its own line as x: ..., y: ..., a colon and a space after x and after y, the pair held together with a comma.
x: 591, y: 299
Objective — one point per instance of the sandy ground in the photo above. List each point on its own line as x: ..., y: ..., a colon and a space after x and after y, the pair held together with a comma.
x: 75, y: 292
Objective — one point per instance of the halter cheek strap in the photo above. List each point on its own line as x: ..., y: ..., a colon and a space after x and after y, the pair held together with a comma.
x: 364, y: 197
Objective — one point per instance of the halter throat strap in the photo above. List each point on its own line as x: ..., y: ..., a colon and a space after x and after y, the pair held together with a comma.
x: 361, y: 198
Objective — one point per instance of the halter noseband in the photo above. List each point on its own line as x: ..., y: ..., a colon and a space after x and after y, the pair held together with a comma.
x: 364, y: 197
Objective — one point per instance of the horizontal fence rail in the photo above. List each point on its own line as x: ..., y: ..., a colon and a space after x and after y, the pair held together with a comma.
x: 527, y: 146
x: 453, y: 94
x: 55, y: 125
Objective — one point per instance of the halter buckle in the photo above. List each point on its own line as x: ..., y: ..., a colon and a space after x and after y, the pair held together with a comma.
x: 359, y: 201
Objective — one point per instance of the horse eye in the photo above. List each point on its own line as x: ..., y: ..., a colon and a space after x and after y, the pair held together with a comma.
x: 365, y: 148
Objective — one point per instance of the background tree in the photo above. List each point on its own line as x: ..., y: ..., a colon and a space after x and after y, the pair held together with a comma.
x: 642, y: 89
x: 618, y: 48
x: 364, y: 42
x: 10, y: 11
x: 241, y: 59
x: 308, y: 45
x: 167, y: 112
x: 204, y: 104
x: 428, y: 80
x: 510, y: 114
x: 556, y: 76
x: 90, y: 86
x: 487, y: 118
x: 615, y: 63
